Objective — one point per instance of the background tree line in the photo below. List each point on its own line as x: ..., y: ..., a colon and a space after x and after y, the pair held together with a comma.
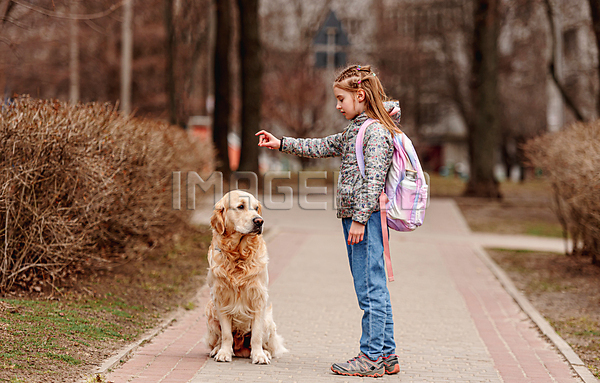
x: 486, y: 63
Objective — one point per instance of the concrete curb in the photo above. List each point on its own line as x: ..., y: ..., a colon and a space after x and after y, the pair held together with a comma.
x: 122, y: 355
x: 572, y: 358
x: 125, y: 353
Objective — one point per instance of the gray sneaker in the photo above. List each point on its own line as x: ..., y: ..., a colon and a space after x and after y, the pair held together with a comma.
x: 391, y: 365
x: 360, y: 365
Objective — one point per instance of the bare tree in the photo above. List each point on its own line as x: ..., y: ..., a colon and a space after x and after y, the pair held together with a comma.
x: 34, y: 52
x: 126, y: 56
x: 569, y: 101
x: 251, y: 82
x: 484, y: 132
x: 595, y: 12
x: 74, y: 57
x: 171, y: 52
x: 522, y: 78
x: 294, y: 96
x: 222, y: 85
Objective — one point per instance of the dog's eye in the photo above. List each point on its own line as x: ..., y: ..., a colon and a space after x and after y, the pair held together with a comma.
x: 241, y: 207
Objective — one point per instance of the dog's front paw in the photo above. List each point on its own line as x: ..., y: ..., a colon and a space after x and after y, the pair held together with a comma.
x: 224, y: 355
x: 214, y: 351
x: 260, y: 357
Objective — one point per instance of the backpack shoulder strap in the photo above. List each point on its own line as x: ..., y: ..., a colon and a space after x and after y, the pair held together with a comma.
x: 413, y: 159
x: 360, y: 137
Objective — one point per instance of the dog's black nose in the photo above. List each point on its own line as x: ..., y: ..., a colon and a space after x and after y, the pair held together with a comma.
x: 258, y: 222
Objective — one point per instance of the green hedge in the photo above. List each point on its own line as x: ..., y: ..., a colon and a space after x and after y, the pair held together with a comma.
x: 81, y: 182
x: 571, y: 159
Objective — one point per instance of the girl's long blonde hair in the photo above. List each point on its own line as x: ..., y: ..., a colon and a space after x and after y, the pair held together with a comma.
x: 357, y: 77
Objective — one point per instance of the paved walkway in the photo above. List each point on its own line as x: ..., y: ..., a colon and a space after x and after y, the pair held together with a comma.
x: 454, y: 320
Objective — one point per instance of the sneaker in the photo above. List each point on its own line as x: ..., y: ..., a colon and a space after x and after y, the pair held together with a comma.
x: 391, y: 365
x: 360, y: 366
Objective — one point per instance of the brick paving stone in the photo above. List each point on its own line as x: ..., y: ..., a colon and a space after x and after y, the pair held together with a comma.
x: 453, y: 320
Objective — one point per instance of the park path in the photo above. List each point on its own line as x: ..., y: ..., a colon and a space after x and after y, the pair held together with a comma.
x: 456, y: 314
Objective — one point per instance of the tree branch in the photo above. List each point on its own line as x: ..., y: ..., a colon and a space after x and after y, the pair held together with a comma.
x: 60, y: 15
x: 14, y: 22
x: 568, y: 100
x: 4, y: 6
x: 552, y: 65
x: 595, y: 12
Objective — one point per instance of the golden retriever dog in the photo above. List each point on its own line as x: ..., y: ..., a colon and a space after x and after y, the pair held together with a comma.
x: 239, y: 321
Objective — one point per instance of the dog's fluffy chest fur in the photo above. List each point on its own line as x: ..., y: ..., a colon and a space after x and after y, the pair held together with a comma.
x: 237, y: 278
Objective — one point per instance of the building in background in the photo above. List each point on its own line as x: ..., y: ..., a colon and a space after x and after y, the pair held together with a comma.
x: 422, y: 50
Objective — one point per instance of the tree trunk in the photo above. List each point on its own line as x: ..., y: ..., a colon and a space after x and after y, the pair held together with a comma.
x: 595, y: 11
x: 126, y: 56
x: 251, y: 74
x: 170, y: 69
x: 554, y: 73
x: 74, y: 55
x: 222, y: 86
x: 484, y: 132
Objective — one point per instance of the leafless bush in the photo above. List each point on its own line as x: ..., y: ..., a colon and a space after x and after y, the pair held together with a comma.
x: 81, y: 182
x: 571, y: 158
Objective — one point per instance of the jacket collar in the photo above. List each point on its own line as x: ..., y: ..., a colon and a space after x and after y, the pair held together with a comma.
x: 358, y: 120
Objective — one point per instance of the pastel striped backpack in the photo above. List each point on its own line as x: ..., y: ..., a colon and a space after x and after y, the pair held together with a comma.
x: 405, y: 196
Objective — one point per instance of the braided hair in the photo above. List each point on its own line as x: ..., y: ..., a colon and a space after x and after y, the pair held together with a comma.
x: 357, y: 77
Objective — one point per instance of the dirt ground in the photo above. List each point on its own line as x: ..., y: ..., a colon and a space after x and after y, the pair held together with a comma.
x: 61, y: 334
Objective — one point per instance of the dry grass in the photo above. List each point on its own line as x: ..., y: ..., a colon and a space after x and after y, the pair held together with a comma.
x: 570, y: 158
x: 81, y: 183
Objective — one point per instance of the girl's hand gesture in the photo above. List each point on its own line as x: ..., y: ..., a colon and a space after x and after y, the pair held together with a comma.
x: 268, y: 140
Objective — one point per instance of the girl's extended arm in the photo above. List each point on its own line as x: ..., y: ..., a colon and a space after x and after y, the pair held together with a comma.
x: 329, y: 146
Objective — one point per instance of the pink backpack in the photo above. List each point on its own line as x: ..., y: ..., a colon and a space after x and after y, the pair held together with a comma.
x: 405, y: 194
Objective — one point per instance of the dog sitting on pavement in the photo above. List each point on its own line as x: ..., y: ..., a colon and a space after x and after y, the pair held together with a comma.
x: 239, y: 318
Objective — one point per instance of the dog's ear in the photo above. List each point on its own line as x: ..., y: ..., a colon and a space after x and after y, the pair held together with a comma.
x: 217, y: 220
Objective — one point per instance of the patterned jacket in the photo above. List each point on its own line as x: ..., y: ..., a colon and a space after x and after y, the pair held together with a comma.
x: 357, y: 197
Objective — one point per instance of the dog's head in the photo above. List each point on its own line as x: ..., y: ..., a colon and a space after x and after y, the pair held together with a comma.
x: 238, y: 211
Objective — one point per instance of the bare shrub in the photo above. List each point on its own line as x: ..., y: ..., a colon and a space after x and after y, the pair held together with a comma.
x: 571, y: 160
x: 82, y: 182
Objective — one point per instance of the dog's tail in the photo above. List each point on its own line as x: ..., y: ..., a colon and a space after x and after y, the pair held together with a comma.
x: 212, y: 337
x: 274, y: 343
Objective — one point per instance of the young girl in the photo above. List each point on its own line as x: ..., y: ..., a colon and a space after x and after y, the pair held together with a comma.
x: 360, y: 96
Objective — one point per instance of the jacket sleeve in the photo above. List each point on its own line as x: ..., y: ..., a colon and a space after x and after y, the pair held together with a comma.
x: 330, y: 146
x: 378, y: 149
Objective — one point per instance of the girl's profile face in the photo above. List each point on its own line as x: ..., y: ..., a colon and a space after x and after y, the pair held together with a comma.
x: 348, y: 103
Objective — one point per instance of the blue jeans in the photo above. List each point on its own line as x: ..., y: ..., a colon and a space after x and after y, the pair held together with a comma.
x: 368, y: 271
